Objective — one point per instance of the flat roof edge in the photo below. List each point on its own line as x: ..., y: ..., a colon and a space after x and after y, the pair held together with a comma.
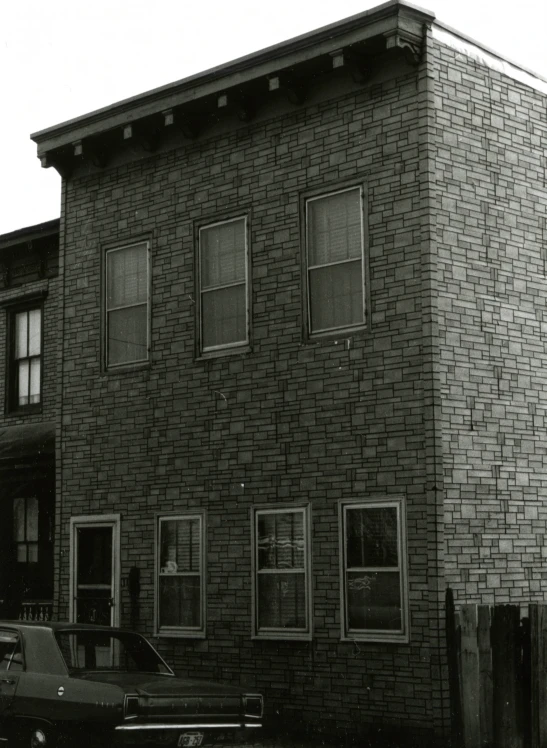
x: 239, y: 65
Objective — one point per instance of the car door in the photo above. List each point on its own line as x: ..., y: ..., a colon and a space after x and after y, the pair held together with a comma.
x: 11, y: 664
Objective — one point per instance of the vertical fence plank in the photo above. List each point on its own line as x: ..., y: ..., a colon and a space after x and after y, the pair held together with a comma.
x: 470, y: 676
x: 453, y: 656
x: 506, y: 675
x: 485, y: 676
x: 538, y: 632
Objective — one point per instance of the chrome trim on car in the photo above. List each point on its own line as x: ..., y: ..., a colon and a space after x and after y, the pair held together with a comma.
x: 200, y: 726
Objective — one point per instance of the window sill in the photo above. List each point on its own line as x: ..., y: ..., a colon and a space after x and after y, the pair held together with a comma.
x: 180, y: 634
x: 282, y: 636
x: 127, y: 368
x: 221, y: 352
x: 377, y: 638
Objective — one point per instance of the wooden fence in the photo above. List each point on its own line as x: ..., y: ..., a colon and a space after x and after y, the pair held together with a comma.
x: 497, y: 663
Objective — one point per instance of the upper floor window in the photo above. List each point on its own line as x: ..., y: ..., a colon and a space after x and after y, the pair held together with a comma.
x: 374, y: 572
x: 335, y: 261
x: 223, y: 285
x: 282, y: 594
x: 180, y: 603
x: 127, y: 305
x: 26, y: 358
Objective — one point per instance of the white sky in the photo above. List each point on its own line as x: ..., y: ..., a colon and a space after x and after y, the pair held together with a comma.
x: 63, y: 58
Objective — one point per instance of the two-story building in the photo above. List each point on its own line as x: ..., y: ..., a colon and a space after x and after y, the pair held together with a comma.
x: 29, y: 347
x: 303, y: 363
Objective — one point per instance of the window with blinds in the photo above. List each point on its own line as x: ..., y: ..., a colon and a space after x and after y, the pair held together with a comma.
x: 335, y: 261
x: 224, y: 315
x: 127, y: 305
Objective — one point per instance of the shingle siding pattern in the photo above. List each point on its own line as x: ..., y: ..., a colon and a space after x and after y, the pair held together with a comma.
x: 490, y: 228
x: 289, y: 421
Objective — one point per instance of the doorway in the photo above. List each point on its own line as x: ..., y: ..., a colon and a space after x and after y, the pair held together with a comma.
x: 95, y: 570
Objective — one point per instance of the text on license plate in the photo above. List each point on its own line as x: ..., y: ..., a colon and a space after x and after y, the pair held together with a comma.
x: 190, y: 739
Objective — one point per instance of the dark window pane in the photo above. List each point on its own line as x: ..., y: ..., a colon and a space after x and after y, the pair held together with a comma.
x: 223, y: 254
x: 371, y: 537
x: 32, y: 518
x: 180, y: 546
x: 127, y: 275
x: 95, y: 555
x: 8, y: 643
x: 128, y: 335
x: 336, y: 296
x: 179, y: 603
x: 334, y: 228
x: 281, y: 540
x: 19, y: 519
x: 281, y: 601
x: 374, y: 601
x: 224, y: 316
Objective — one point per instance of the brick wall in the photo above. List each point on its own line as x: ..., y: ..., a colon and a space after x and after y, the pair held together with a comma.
x: 490, y: 215
x: 289, y: 421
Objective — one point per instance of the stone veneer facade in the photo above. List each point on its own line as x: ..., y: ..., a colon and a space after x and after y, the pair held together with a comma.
x: 440, y: 399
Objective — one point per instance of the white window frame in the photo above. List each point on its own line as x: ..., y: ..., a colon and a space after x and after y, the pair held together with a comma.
x: 274, y: 632
x: 376, y: 635
x: 186, y: 632
x: 240, y: 343
x: 308, y: 267
x: 109, y: 366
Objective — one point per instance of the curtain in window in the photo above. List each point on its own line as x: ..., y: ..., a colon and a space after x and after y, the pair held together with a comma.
x: 335, y: 261
x: 223, y: 284
x: 281, y: 594
x: 28, y: 344
x: 180, y: 573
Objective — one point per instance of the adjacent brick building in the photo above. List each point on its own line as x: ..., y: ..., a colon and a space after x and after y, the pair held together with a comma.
x: 302, y: 363
x: 30, y: 304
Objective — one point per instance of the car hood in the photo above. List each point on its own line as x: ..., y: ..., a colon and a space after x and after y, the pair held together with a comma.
x: 148, y: 684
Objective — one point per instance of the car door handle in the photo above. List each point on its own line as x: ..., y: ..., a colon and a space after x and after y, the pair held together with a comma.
x: 8, y: 681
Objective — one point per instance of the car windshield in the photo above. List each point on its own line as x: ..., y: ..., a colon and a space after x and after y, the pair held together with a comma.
x: 106, y: 650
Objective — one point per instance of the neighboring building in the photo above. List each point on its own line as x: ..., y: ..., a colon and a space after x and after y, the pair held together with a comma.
x: 303, y: 363
x: 29, y: 347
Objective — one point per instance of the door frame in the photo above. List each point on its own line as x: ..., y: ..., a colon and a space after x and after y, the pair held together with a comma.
x: 96, y: 520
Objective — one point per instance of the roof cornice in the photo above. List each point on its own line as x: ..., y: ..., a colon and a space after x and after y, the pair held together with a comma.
x: 399, y: 23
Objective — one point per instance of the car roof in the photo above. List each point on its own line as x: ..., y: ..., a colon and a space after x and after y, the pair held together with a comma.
x: 62, y: 626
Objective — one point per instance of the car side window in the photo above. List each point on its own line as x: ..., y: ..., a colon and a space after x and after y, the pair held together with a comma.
x: 11, y: 655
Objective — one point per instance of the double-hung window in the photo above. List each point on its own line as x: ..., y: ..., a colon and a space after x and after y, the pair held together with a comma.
x: 335, y: 261
x: 223, y: 285
x: 374, y: 583
x: 281, y: 562
x: 127, y: 305
x: 180, y: 585
x: 25, y: 529
x: 26, y: 359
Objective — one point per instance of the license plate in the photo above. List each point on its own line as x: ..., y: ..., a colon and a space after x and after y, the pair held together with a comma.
x: 188, y: 739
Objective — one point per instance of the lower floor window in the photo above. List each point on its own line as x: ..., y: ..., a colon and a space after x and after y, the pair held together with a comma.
x: 281, y: 578
x: 374, y: 570
x: 180, y: 600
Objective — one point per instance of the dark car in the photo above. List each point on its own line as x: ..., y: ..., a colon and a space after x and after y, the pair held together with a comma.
x: 74, y: 684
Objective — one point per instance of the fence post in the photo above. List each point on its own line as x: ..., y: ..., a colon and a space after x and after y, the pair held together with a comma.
x: 485, y: 676
x: 538, y: 635
x: 452, y: 643
x: 470, y: 676
x: 505, y: 670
